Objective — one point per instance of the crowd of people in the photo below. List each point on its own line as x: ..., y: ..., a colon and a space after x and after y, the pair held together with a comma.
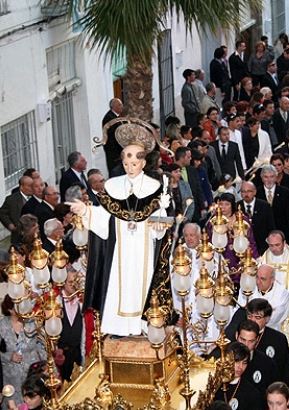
x: 233, y: 149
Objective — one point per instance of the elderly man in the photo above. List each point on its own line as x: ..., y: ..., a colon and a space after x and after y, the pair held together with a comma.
x: 75, y: 173
x: 260, y: 214
x: 277, y: 196
x: 119, y: 285
x: 36, y: 199
x: 96, y: 185
x: 277, y: 256
x: 269, y: 289
x: 10, y: 211
x: 112, y: 148
x: 45, y: 210
x: 53, y: 230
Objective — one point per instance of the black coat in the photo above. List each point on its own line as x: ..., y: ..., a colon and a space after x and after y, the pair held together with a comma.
x: 267, y: 81
x: 280, y: 207
x: 67, y: 180
x: 30, y: 206
x: 43, y: 213
x: 238, y: 68
x: 219, y: 75
x: 280, y: 126
x: 232, y: 160
x: 262, y: 222
x: 112, y: 148
x: 282, y: 67
x: 195, y: 185
x: 10, y: 213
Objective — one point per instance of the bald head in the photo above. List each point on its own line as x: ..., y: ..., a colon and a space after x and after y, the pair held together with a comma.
x: 248, y: 191
x: 284, y: 103
x: 265, y: 277
x: 25, y: 185
x: 116, y: 105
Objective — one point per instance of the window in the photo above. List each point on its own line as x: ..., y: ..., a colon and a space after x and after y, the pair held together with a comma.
x: 278, y: 18
x: 19, y: 148
x: 4, y: 9
x: 61, y: 64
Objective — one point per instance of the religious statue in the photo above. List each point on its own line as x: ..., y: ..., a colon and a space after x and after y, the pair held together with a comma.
x: 126, y: 238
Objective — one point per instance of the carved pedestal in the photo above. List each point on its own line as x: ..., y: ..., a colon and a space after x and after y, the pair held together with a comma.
x: 132, y: 366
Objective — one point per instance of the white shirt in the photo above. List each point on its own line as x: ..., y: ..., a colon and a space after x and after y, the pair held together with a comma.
x: 236, y: 136
x: 79, y: 176
x: 252, y: 204
x: 221, y: 146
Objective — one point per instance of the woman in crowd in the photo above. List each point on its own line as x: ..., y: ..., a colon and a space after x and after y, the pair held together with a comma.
x: 245, y: 92
x: 277, y: 396
x: 278, y: 161
x: 153, y: 165
x: 258, y: 62
x: 228, y: 206
x: 180, y: 191
x: 18, y: 351
x: 212, y: 123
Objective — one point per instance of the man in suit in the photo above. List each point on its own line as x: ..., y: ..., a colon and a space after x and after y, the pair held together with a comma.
x: 283, y: 63
x: 112, y: 148
x: 219, y: 75
x: 190, y: 102
x: 277, y: 196
x: 270, y: 79
x: 228, y: 154
x: 10, y: 211
x: 260, y: 214
x: 183, y: 157
x: 53, y: 231
x: 96, y: 185
x: 45, y: 210
x: 75, y: 173
x: 281, y: 120
x: 36, y: 199
x: 238, y: 66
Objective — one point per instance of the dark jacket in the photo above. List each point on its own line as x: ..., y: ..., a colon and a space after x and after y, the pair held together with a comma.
x: 280, y: 126
x: 219, y: 75
x: 280, y: 207
x: 233, y: 159
x: 112, y: 148
x: 262, y: 222
x: 10, y: 212
x: 282, y: 67
x: 238, y: 68
x: 67, y: 180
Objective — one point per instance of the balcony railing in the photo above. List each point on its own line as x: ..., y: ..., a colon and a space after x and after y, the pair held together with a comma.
x: 54, y: 8
x: 4, y: 7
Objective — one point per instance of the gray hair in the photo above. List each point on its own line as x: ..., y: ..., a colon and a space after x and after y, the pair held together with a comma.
x: 51, y: 225
x: 73, y: 157
x: 268, y: 169
x: 93, y: 171
x: 210, y: 86
x: 193, y: 226
x: 73, y: 192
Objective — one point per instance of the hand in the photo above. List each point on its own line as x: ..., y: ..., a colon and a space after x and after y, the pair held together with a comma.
x: 158, y: 226
x: 16, y: 357
x: 11, y: 227
x: 77, y: 207
x: 12, y: 405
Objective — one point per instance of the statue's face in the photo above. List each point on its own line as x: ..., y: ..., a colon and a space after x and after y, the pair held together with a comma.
x: 133, y: 160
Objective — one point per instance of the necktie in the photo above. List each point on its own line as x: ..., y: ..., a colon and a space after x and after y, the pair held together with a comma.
x: 285, y: 116
x: 223, y: 151
x: 275, y: 79
x: 83, y: 179
x: 184, y: 174
x: 249, y: 210
x: 270, y: 197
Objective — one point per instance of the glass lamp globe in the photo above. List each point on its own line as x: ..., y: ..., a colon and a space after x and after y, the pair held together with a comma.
x: 219, y: 240
x: 80, y: 237
x: 221, y: 313
x: 247, y: 283
x: 240, y: 244
x: 205, y: 306
x: 25, y: 306
x: 59, y: 275
x: 156, y: 335
x: 53, y: 326
x: 182, y: 283
x: 41, y: 276
x: 16, y: 291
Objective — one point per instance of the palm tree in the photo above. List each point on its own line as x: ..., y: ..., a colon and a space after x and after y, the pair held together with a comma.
x: 132, y: 26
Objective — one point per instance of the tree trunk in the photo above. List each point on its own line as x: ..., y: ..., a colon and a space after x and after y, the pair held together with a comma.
x: 137, y: 90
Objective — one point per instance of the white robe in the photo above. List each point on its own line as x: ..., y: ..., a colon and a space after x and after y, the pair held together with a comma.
x: 133, y: 259
x: 278, y: 297
x: 280, y: 263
